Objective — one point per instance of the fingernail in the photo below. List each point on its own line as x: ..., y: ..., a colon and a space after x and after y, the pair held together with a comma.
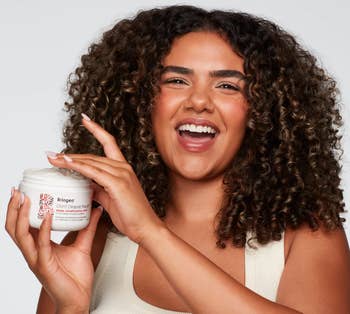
x: 51, y: 155
x: 68, y: 159
x: 100, y: 208
x: 12, y: 191
x: 85, y: 117
x: 22, y: 199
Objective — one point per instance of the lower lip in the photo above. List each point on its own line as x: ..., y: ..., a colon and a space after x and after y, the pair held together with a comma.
x: 196, y: 145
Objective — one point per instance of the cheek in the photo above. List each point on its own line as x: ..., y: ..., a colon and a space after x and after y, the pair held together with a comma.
x: 170, y: 97
x: 166, y: 105
x: 162, y: 113
x: 159, y: 114
x: 235, y: 114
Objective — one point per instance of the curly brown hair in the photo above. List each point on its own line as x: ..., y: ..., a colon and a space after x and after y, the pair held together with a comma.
x: 286, y: 172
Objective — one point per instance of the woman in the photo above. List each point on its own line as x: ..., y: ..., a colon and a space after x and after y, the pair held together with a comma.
x: 201, y: 131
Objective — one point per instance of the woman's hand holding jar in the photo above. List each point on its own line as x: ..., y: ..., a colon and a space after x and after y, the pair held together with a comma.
x: 65, y: 271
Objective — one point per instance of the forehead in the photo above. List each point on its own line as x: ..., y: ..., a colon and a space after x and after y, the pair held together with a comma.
x: 203, y: 50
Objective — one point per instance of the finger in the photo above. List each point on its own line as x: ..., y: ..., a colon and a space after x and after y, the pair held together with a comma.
x: 98, y: 159
x: 86, y: 236
x: 12, y: 214
x: 106, y: 139
x: 23, y: 236
x: 101, y: 177
x: 108, y: 167
x: 102, y: 159
x: 44, y: 243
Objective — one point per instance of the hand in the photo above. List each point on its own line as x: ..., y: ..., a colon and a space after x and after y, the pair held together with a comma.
x: 66, y: 272
x: 118, y: 189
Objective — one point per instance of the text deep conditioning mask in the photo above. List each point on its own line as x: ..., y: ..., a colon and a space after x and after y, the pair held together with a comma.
x: 65, y: 194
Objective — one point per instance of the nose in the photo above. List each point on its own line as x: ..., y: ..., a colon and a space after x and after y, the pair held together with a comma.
x: 199, y: 99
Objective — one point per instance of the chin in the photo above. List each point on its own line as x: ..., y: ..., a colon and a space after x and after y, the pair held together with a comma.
x: 196, y: 174
x: 194, y: 169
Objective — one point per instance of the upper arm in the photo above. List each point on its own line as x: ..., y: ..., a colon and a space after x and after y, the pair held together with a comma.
x: 316, y: 277
x: 45, y: 305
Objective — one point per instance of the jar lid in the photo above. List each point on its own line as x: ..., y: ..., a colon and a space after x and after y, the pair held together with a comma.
x: 56, y: 177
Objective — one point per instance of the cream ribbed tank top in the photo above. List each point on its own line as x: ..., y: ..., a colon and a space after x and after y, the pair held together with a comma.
x: 113, y: 291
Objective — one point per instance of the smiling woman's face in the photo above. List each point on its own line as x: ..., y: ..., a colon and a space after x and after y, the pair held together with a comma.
x: 202, y: 81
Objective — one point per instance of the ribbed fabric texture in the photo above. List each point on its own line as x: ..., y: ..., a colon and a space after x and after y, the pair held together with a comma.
x: 113, y: 291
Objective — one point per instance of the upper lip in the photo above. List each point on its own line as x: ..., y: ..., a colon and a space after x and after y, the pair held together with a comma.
x: 197, y: 121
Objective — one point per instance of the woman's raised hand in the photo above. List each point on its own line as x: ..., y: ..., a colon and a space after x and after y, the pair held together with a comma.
x: 117, y: 187
x: 65, y: 271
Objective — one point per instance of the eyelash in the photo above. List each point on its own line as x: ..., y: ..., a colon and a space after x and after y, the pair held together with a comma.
x: 175, y: 80
x: 181, y: 81
x: 231, y: 86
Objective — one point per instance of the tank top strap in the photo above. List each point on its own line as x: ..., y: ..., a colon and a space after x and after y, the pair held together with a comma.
x: 264, y: 266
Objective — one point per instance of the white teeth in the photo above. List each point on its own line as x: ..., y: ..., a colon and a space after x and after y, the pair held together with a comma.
x: 197, y: 128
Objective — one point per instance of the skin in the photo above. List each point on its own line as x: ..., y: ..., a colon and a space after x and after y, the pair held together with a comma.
x: 196, y: 178
x: 316, y: 283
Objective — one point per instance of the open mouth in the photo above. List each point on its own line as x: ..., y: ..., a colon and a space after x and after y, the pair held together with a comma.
x: 196, y: 134
x: 196, y: 142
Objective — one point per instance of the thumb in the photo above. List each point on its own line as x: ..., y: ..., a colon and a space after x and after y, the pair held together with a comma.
x: 86, y: 236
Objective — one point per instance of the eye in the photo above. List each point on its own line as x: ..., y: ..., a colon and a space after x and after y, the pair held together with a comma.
x: 175, y: 80
x: 229, y: 86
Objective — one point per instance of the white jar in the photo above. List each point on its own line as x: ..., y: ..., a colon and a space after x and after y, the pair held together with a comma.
x: 67, y: 195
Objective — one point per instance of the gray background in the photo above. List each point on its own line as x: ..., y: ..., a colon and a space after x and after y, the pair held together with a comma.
x: 41, y: 42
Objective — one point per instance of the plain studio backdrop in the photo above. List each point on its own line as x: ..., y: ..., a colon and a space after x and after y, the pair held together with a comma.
x: 41, y: 43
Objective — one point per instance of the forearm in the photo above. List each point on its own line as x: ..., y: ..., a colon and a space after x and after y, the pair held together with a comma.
x: 203, y: 286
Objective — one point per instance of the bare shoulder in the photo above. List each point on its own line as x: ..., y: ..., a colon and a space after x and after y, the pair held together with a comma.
x: 316, y: 277
x: 306, y: 241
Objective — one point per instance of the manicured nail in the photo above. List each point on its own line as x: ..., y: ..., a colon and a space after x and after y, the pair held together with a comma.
x: 85, y: 117
x: 22, y: 199
x: 66, y: 158
x: 12, y: 191
x: 51, y: 155
x: 100, y: 208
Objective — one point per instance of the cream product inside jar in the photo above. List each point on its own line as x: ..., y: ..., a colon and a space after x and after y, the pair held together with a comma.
x: 65, y: 194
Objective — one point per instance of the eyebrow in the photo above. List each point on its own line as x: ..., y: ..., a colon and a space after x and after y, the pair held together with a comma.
x: 216, y: 73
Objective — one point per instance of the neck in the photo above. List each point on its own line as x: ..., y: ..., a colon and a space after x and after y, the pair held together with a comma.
x: 194, y: 201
